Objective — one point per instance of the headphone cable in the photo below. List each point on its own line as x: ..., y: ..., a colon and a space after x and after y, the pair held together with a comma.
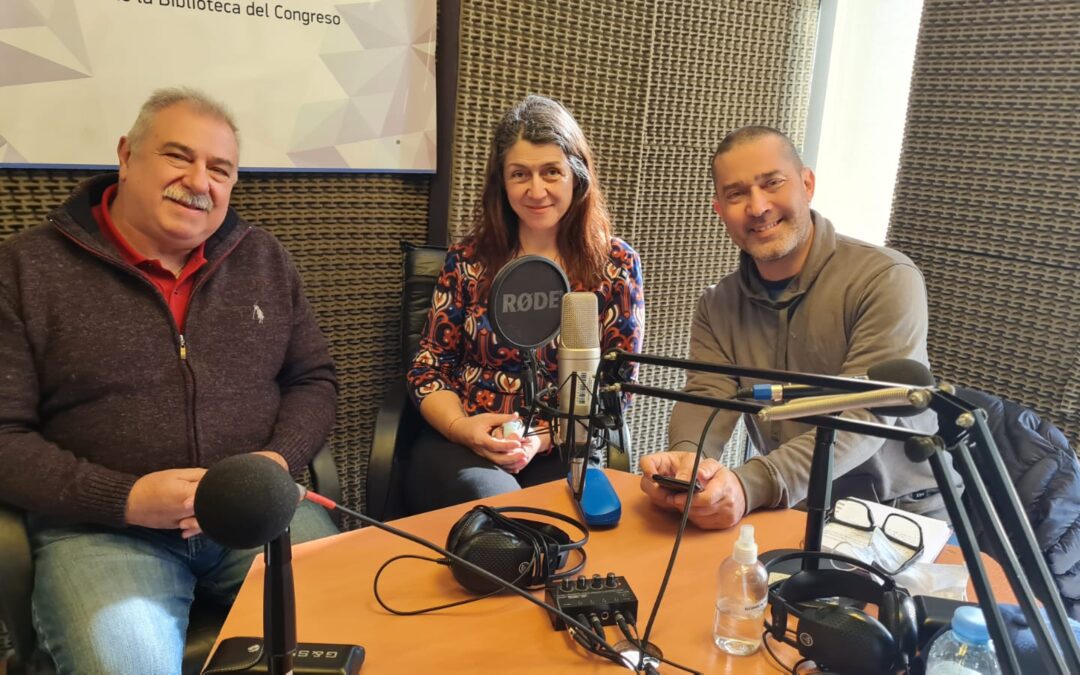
x: 601, y: 646
x: 414, y: 612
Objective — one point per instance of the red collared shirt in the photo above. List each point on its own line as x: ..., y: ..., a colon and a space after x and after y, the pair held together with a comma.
x: 175, y: 288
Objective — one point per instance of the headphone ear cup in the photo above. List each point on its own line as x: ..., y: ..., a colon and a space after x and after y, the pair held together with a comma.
x: 468, y: 525
x: 502, y: 553
x: 845, y: 640
x: 897, y: 613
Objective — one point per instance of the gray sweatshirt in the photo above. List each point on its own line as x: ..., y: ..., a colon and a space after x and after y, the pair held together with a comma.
x: 852, y: 306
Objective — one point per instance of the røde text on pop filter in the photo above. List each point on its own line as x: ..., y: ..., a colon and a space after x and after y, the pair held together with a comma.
x: 245, y: 501
x: 525, y: 302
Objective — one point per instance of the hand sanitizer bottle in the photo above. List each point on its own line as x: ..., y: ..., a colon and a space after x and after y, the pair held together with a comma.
x: 741, y: 598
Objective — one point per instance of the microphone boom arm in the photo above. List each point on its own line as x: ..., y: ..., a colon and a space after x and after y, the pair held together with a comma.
x: 959, y: 422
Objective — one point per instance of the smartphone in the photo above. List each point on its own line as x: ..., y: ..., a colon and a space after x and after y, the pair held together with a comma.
x: 675, y: 484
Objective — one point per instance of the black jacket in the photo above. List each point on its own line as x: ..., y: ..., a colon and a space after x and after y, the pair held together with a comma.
x: 1046, y: 474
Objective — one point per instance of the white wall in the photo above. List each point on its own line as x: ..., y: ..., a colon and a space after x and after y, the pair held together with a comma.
x: 862, y: 120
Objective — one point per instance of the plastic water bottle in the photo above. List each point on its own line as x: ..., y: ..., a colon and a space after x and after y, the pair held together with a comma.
x: 965, y: 649
x: 741, y: 598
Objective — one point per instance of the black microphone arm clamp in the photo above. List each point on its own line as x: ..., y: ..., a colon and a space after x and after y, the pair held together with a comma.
x: 960, y: 426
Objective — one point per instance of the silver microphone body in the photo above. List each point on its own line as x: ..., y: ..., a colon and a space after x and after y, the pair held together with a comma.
x: 824, y: 405
x: 578, y: 356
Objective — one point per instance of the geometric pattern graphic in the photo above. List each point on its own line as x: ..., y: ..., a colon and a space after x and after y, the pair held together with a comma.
x: 8, y: 153
x: 394, y: 43
x: 354, y: 91
x: 41, y: 41
x: 987, y: 197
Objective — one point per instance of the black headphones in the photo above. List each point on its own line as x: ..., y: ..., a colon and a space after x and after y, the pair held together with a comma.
x: 838, y: 638
x: 527, y: 553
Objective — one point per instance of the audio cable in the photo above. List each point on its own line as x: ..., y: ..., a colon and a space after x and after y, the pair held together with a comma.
x: 582, y: 633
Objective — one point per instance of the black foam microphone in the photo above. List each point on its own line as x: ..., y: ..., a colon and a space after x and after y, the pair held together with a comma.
x: 276, y: 483
x: 246, y: 501
x: 249, y: 500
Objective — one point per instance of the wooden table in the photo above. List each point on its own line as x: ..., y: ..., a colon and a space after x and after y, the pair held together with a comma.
x: 335, y: 603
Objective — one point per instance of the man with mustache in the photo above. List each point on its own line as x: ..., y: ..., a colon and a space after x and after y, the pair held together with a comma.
x: 805, y: 299
x: 146, y: 332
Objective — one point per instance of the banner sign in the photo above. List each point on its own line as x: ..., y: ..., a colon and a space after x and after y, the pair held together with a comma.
x: 313, y: 84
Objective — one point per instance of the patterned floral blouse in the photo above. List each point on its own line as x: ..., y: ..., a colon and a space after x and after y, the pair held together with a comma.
x: 458, y: 348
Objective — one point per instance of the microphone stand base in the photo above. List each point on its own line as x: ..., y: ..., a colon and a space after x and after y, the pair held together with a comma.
x: 631, y: 651
x: 598, y: 502
x: 246, y: 655
x: 789, y: 567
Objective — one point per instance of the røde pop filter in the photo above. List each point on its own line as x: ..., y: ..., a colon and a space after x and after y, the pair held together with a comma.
x: 245, y: 501
x: 524, y: 307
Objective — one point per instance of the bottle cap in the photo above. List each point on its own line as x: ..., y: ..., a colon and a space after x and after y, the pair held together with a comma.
x: 969, y: 624
x: 745, y: 552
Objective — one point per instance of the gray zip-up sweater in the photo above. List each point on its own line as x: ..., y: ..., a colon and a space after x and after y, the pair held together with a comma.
x: 852, y: 306
x: 98, y: 387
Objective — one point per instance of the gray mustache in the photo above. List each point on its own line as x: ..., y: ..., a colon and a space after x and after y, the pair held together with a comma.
x: 179, y: 194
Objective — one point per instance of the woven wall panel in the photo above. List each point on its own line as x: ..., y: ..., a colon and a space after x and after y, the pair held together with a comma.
x: 987, y: 196
x: 716, y: 67
x: 343, y: 231
x: 655, y: 85
x: 592, y: 56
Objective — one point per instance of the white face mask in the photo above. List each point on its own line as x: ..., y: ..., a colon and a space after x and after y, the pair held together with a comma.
x: 880, y: 552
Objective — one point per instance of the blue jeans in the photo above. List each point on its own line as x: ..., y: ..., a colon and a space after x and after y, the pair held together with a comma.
x: 116, y: 601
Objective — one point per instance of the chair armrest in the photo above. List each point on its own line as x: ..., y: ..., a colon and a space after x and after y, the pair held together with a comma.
x: 324, y: 479
x: 396, y: 427
x: 324, y: 474
x: 16, y: 580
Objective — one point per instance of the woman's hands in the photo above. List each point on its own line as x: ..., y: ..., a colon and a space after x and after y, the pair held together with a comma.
x: 483, y: 434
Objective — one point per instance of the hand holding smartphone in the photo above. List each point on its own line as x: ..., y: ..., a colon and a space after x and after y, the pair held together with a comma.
x: 675, y: 484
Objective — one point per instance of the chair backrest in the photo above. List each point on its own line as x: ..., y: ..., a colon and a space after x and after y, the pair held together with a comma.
x: 422, y: 265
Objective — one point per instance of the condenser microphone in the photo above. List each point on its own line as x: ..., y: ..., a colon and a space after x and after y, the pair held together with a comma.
x: 894, y: 371
x: 246, y: 501
x: 578, y: 357
x: 917, y: 399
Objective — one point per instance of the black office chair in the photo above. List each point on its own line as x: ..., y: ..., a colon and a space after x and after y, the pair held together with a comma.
x: 17, y: 582
x: 398, y: 422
